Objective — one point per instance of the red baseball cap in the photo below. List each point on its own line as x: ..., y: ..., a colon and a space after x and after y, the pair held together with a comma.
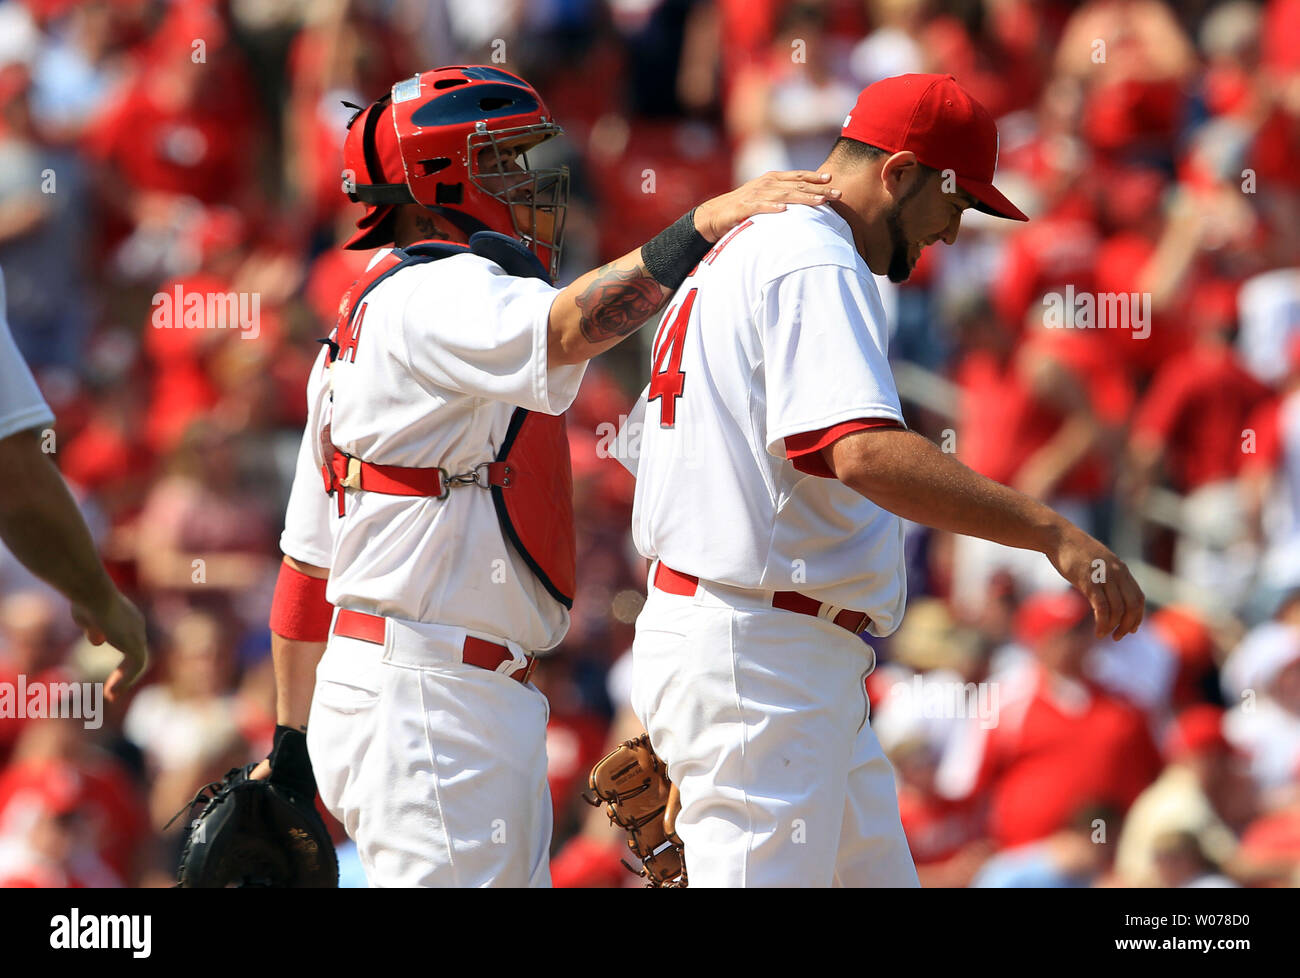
x: 938, y: 120
x: 1050, y: 613
x: 1197, y: 730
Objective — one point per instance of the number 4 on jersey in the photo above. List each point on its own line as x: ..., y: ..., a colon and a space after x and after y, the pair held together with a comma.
x: 668, y: 380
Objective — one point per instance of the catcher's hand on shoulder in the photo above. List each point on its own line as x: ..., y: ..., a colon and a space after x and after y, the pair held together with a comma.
x: 768, y: 194
x: 259, y: 826
x: 632, y: 782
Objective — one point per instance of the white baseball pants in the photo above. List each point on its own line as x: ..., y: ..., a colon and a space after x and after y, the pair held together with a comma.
x: 437, y: 769
x: 761, y: 716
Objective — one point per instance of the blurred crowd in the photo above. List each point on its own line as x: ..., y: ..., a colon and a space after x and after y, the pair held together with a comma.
x: 154, y: 145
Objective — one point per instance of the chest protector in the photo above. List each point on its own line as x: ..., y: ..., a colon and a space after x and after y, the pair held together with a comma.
x: 530, y: 478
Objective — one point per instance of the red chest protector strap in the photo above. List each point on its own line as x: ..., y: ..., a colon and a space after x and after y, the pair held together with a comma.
x: 531, y: 478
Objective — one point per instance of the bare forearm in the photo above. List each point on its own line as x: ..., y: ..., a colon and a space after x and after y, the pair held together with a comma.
x: 909, y: 476
x: 295, y: 679
x: 41, y: 524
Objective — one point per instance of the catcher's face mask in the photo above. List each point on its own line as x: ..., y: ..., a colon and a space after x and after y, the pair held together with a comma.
x: 536, y: 197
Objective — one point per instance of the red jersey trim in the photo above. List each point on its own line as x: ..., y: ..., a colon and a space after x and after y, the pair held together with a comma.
x: 804, y: 450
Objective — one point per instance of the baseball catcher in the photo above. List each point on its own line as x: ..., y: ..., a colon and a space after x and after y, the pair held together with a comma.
x: 429, y: 542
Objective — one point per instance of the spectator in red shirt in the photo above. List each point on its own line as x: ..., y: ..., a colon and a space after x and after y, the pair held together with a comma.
x: 1062, y: 742
x: 1132, y: 57
x: 107, y: 455
x: 1035, y: 415
x: 47, y: 843
x: 1191, y: 419
x: 1002, y: 77
x: 1204, y: 791
x: 30, y: 647
x: 186, y: 126
x: 946, y: 836
x: 114, y: 828
x: 1278, y: 137
x: 1047, y: 254
x: 1039, y: 416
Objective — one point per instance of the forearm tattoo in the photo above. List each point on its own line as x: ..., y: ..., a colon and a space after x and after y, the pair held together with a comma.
x: 619, y: 301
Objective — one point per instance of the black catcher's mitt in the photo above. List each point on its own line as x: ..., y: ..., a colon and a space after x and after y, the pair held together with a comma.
x: 261, y: 832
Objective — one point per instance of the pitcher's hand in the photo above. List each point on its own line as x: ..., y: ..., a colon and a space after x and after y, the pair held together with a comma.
x: 1105, y: 580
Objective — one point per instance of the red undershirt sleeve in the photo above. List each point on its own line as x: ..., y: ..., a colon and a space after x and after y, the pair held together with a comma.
x: 804, y: 450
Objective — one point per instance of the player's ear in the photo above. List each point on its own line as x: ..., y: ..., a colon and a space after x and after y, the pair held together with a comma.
x: 898, y: 170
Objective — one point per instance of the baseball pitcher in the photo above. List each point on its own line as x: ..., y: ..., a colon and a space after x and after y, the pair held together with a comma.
x: 775, y: 471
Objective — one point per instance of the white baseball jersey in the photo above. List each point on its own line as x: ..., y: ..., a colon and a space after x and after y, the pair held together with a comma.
x: 778, y: 332
x: 444, y: 353
x: 21, y: 405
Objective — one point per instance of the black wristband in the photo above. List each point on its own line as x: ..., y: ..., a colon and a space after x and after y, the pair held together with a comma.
x: 290, y: 765
x: 671, y: 254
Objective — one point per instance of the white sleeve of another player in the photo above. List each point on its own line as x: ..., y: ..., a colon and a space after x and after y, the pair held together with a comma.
x: 626, y: 446
x: 474, y: 329
x: 21, y: 404
x: 306, y: 535
x: 825, y: 345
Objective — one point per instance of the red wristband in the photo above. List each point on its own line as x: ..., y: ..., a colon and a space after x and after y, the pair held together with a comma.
x: 299, y: 610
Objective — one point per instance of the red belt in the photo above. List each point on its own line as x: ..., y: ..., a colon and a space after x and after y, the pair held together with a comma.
x: 476, y: 651
x: 675, y: 582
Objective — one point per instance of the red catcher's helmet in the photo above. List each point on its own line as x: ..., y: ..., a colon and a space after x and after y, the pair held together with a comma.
x: 455, y: 140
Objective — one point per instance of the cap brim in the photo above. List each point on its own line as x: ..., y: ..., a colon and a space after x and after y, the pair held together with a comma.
x: 991, y: 200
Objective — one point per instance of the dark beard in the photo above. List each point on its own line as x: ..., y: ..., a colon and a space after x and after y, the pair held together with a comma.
x: 900, y: 268
x: 899, y: 265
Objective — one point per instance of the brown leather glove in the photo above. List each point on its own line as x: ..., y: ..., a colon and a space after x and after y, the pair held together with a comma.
x: 632, y: 782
